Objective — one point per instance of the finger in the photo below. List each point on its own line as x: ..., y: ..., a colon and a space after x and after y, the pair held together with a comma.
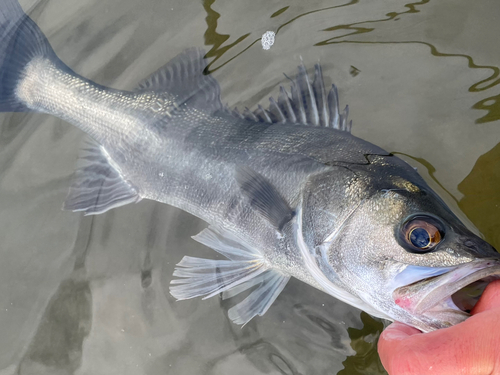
x: 397, y: 355
x: 470, y: 347
x: 490, y: 298
x: 403, y: 350
x: 419, y: 354
x: 398, y: 331
x: 392, y: 343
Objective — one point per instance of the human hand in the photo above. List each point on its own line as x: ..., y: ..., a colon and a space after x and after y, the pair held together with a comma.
x: 471, y: 347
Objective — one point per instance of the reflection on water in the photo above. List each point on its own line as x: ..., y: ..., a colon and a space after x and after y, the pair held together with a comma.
x: 490, y: 104
x: 355, y: 29
x: 90, y: 295
x: 364, y: 342
x: 213, y: 38
x: 481, y: 201
x: 344, y: 31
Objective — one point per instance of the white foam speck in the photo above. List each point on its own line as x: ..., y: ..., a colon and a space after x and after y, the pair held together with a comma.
x: 267, y: 39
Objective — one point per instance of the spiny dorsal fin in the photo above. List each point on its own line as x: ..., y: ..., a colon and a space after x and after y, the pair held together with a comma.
x: 307, y: 104
x: 245, y: 269
x: 184, y: 77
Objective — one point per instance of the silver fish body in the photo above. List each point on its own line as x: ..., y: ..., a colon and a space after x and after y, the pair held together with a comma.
x: 288, y: 191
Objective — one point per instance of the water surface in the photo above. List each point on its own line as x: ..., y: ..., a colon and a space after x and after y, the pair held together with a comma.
x: 89, y: 295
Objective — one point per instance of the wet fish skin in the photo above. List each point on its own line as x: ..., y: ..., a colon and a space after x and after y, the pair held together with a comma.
x: 171, y: 140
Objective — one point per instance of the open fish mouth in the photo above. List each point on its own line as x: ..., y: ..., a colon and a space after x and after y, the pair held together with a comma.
x: 446, y: 300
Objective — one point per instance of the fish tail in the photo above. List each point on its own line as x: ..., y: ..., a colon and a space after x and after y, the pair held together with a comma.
x: 20, y: 42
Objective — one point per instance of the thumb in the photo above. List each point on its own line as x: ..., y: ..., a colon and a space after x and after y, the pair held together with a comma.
x: 397, y: 331
x: 490, y: 298
x: 392, y: 348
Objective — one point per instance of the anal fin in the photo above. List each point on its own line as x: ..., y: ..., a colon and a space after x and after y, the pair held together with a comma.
x: 246, y: 268
x: 98, y: 186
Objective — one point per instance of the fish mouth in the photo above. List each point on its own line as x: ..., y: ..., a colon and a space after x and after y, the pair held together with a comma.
x: 448, y: 299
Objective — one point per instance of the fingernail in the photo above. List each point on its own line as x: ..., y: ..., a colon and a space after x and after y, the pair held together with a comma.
x: 398, y: 331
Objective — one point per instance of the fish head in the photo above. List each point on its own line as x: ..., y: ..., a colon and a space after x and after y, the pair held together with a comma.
x: 400, y: 250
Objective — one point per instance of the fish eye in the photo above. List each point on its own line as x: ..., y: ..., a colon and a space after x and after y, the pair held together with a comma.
x: 421, y: 234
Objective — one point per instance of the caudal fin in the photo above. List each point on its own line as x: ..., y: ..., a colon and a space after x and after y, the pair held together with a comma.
x: 20, y: 41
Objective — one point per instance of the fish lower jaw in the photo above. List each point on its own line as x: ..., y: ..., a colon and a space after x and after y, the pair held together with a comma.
x: 446, y: 300
x: 445, y: 314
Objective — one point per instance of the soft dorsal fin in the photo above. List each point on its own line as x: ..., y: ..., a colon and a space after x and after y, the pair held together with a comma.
x: 97, y: 186
x: 245, y: 269
x: 184, y: 77
x: 308, y: 103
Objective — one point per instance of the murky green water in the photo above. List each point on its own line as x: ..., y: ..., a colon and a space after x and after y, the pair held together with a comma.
x: 89, y: 295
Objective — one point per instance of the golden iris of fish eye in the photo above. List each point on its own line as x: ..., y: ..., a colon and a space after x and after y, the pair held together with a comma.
x: 432, y: 231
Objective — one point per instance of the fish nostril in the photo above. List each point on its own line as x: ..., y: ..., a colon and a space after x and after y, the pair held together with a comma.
x: 470, y: 244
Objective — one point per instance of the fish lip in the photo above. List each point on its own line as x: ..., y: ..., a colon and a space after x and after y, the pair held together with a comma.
x: 422, y: 296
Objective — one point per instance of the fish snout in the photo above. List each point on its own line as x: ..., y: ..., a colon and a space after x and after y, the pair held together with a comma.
x: 478, y: 247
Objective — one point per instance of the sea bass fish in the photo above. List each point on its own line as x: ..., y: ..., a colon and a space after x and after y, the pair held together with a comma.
x: 287, y: 191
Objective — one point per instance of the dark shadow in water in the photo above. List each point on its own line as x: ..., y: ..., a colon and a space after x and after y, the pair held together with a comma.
x: 481, y: 201
x: 364, y: 343
x: 57, y: 346
x: 327, y: 327
x: 260, y: 349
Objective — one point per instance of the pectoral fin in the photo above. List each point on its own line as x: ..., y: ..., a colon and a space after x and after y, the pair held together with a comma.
x: 264, y: 197
x: 245, y: 269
